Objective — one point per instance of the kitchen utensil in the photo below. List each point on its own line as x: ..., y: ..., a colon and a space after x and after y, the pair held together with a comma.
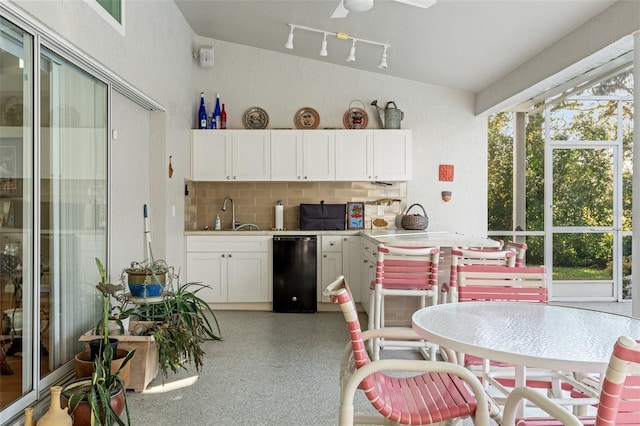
x: 255, y: 118
x: 390, y: 117
x: 415, y: 221
x: 307, y: 118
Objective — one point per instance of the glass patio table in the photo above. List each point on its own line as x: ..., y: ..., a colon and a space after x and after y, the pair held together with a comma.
x: 527, y: 334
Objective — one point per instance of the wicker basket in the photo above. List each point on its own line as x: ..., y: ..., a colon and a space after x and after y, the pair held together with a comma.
x: 415, y: 221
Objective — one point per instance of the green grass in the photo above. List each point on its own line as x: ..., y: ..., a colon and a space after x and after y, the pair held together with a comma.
x: 579, y: 273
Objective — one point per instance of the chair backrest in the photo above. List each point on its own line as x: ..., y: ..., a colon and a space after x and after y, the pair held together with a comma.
x: 620, y: 394
x: 502, y: 283
x: 338, y: 292
x: 460, y: 257
x: 414, y: 268
x: 520, y: 249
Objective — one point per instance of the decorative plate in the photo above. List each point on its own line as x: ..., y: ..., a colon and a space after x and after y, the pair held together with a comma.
x: 307, y: 118
x: 255, y: 118
x: 350, y: 115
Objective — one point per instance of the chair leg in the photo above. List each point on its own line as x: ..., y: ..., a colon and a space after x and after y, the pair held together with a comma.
x: 378, y: 321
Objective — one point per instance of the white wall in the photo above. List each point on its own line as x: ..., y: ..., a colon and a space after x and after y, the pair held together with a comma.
x: 155, y: 55
x: 444, y: 128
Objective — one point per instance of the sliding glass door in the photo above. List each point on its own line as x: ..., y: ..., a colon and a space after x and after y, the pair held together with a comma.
x: 53, y: 213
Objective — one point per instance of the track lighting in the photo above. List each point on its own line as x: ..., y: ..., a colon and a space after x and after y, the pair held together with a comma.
x: 352, y: 53
x: 289, y: 43
x: 340, y: 36
x: 383, y: 59
x: 323, y: 48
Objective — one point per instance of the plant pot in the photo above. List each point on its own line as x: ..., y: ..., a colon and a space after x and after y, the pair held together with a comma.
x: 145, y: 284
x: 96, y: 347
x: 84, y: 365
x: 82, y: 413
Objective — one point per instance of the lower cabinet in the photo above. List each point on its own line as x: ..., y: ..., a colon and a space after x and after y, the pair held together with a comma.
x: 237, y: 269
x: 340, y: 255
x: 368, y: 259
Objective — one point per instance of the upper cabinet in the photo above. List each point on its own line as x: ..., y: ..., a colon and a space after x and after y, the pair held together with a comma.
x: 230, y: 155
x: 371, y: 155
x: 301, y: 155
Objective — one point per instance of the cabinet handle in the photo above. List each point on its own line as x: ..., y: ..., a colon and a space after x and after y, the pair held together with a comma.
x: 305, y: 177
x: 365, y: 261
x: 235, y: 177
x: 324, y: 255
x: 228, y: 177
x: 230, y: 255
x: 299, y: 177
x: 332, y: 244
x: 222, y: 255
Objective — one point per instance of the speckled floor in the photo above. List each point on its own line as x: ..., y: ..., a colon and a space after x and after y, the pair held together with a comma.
x: 271, y: 369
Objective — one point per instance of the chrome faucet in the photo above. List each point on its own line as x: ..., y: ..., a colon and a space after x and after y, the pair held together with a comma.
x: 233, y: 211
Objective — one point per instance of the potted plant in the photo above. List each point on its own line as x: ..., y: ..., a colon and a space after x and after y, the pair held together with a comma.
x: 181, y: 326
x: 103, y: 396
x: 147, y: 279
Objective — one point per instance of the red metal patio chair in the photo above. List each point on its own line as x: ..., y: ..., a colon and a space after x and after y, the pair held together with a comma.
x: 619, y: 402
x: 440, y: 391
x: 407, y: 272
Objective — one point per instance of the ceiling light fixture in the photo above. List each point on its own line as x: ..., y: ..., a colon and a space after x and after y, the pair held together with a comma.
x: 289, y: 43
x: 339, y: 36
x: 352, y: 53
x: 323, y: 48
x: 383, y: 59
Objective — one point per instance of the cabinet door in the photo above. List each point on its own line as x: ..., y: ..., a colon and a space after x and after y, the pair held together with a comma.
x: 251, y: 155
x: 354, y: 155
x: 209, y: 269
x: 286, y: 155
x: 331, y: 266
x: 248, y: 277
x: 210, y: 155
x: 319, y: 155
x: 392, y: 155
x: 352, y: 264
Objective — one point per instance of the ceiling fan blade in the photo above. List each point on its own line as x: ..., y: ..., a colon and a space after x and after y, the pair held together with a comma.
x: 418, y: 3
x: 341, y: 11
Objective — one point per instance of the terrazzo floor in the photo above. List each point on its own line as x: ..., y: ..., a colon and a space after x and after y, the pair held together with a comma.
x: 271, y: 369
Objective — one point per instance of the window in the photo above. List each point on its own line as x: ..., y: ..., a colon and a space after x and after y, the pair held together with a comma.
x: 113, y: 7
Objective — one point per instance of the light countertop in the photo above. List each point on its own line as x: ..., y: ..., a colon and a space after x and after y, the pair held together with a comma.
x: 385, y: 236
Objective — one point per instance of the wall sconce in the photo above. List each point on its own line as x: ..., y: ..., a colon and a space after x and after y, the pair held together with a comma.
x: 340, y: 36
x: 446, y: 196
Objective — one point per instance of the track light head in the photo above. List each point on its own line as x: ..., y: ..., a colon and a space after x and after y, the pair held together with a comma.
x: 383, y: 59
x: 289, y: 43
x: 323, y: 47
x: 352, y: 53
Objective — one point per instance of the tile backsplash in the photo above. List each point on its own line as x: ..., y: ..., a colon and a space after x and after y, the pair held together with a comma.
x: 255, y: 201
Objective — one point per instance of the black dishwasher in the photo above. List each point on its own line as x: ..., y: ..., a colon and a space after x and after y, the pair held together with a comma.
x: 295, y: 273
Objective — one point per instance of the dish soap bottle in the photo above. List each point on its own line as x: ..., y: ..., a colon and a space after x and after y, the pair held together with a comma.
x: 218, y: 227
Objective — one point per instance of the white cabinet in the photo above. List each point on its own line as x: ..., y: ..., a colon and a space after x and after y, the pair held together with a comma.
x: 303, y: 155
x: 230, y: 155
x: 368, y: 261
x: 237, y: 269
x: 351, y: 264
x: 367, y: 155
x: 330, y: 263
x: 354, y: 155
x: 392, y: 155
x: 300, y: 155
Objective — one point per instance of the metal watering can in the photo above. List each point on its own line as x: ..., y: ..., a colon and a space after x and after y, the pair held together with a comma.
x: 390, y: 116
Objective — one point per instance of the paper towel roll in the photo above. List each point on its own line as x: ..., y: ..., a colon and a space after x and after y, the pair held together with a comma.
x: 279, y: 216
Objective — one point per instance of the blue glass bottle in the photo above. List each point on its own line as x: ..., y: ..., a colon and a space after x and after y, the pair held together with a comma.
x: 202, y: 113
x: 216, y: 111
